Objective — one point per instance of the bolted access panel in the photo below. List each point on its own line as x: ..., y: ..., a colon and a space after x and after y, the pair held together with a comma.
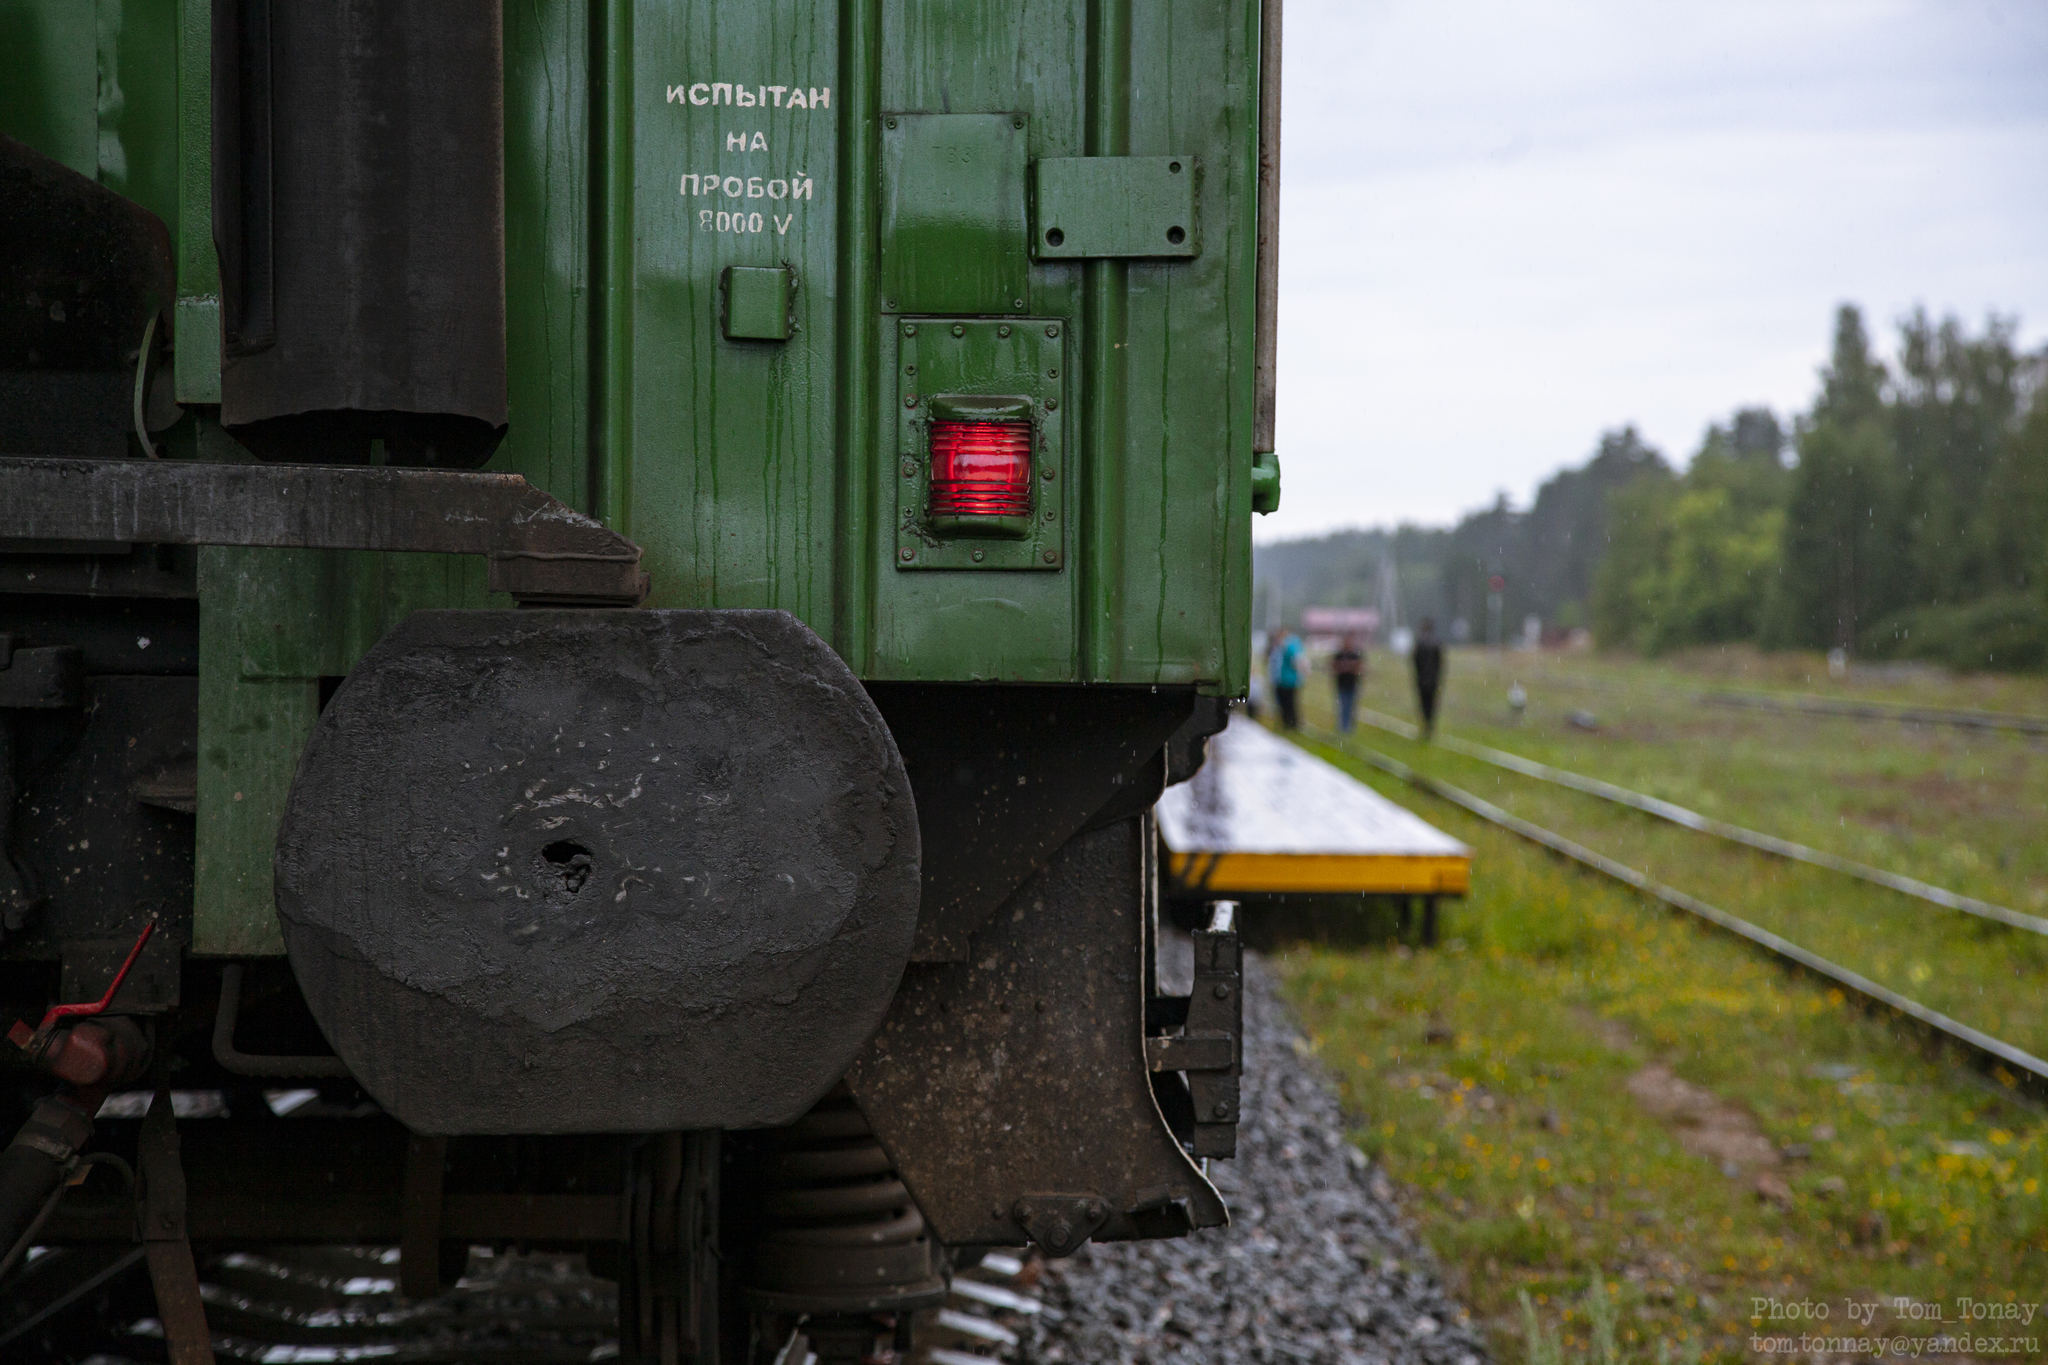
x: 959, y: 379
x: 953, y: 230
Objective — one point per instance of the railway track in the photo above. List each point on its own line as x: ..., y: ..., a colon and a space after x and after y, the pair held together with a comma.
x: 300, y: 1305
x: 1720, y: 829
x: 2030, y: 1073
x: 1803, y: 705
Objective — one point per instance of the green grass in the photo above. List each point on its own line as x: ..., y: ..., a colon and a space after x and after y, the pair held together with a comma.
x: 1817, y: 782
x: 1533, y: 1163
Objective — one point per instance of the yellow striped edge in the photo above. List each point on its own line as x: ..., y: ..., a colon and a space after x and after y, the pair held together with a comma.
x: 1378, y: 874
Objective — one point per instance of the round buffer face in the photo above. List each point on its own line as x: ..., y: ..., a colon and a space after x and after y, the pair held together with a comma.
x: 598, y: 871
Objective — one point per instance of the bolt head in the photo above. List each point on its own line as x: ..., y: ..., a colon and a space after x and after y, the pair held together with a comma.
x: 1003, y: 330
x: 1061, y: 1235
x: 1020, y: 1210
x: 980, y: 555
x: 1052, y: 331
x: 909, y: 467
x: 909, y: 328
x: 909, y: 400
x: 1220, y: 1109
x: 958, y: 330
x: 1095, y: 1208
x: 908, y: 553
x: 1052, y: 405
x: 1052, y: 557
x: 1045, y: 473
x: 1222, y: 991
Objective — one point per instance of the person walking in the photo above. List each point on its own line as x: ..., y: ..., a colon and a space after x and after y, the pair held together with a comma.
x: 1428, y: 659
x: 1287, y: 667
x: 1348, y: 667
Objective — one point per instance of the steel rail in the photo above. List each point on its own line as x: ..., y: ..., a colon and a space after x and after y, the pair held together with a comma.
x: 2031, y: 1071
x: 1801, y: 704
x: 1720, y: 829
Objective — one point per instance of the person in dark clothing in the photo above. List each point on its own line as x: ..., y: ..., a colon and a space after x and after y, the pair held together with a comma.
x: 1429, y: 673
x: 1348, y: 666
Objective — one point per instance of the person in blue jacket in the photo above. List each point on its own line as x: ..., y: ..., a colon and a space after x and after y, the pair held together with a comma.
x: 1288, y: 665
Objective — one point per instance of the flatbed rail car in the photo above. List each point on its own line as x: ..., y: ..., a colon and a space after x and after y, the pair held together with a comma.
x: 613, y: 585
x: 1264, y: 818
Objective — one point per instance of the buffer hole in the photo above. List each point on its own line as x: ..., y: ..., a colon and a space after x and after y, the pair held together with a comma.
x: 570, y: 861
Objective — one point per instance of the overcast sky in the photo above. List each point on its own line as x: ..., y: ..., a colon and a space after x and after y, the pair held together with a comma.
x: 1508, y: 226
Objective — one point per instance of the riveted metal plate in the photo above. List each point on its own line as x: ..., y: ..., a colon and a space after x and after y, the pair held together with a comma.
x: 942, y: 359
x: 953, y: 220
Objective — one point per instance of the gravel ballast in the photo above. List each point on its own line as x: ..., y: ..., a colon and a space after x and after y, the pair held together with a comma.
x: 1318, y: 1264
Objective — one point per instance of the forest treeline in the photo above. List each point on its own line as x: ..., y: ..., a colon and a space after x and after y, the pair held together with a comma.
x: 1904, y: 515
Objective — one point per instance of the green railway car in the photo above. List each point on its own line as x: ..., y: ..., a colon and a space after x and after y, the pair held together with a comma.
x: 611, y: 588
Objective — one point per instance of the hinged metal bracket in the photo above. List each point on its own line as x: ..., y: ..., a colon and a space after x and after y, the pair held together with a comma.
x: 1209, y: 1048
x: 1060, y: 1223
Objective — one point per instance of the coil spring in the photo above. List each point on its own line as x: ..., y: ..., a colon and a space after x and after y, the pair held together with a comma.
x: 840, y: 1224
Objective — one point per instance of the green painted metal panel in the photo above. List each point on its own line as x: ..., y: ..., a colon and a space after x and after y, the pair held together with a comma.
x: 757, y: 302
x: 49, y: 97
x: 953, y: 233
x: 196, y: 320
x: 549, y: 318
x: 136, y: 128
x: 1115, y: 206
x: 273, y: 624
x: 721, y: 463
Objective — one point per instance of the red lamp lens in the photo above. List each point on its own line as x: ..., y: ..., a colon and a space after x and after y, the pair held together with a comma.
x: 981, y: 469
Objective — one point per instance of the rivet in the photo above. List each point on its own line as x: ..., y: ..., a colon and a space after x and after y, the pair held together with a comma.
x: 995, y: 1211
x: 909, y: 553
x: 1052, y: 404
x: 1222, y: 991
x: 1051, y: 557
x: 979, y: 555
x: 1052, y: 331
x: 1020, y: 1210
x: 1003, y: 330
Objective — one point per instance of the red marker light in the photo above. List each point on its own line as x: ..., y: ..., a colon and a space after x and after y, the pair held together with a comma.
x: 981, y: 469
